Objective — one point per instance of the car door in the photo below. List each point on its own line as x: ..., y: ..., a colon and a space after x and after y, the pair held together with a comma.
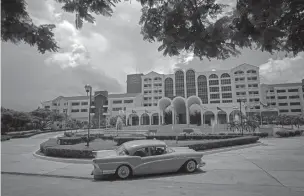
x: 156, y: 163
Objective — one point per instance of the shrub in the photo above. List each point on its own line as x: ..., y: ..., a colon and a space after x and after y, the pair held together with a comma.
x: 69, y: 153
x: 49, y: 143
x: 261, y: 134
x: 286, y: 133
x: 121, y: 140
x: 205, y: 145
x: 70, y: 140
x: 5, y: 137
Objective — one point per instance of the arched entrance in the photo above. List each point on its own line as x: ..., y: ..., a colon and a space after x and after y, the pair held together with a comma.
x: 133, y: 120
x: 194, y: 106
x: 166, y: 113
x: 155, y: 119
x: 222, y: 117
x: 145, y: 119
x: 179, y: 110
x: 195, y: 114
x: 209, y: 117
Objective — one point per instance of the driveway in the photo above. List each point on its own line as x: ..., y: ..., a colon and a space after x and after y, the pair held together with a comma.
x: 275, y: 168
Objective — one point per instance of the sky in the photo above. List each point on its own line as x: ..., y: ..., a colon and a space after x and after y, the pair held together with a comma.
x: 103, y: 53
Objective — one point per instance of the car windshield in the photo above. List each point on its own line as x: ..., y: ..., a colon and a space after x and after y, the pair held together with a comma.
x: 169, y: 150
x: 122, y: 151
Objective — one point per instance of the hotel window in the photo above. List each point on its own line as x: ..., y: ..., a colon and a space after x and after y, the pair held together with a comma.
x: 294, y: 97
x: 145, y: 105
x: 84, y: 103
x: 252, y: 71
x: 214, y: 89
x: 283, y: 111
x: 128, y: 101
x: 147, y: 79
x: 74, y: 110
x: 295, y: 103
x: 225, y: 81
x: 84, y: 110
x: 147, y: 85
x: 282, y: 97
x: 214, y: 96
x: 226, y: 95
x: 252, y: 78
x: 169, y: 88
x: 47, y: 107
x: 225, y: 75
x: 254, y: 100
x: 283, y: 104
x: 240, y: 93
x: 293, y: 90
x: 190, y: 83
x: 257, y: 107
x: 117, y: 101
x: 239, y: 79
x: 179, y: 83
x: 212, y: 76
x: 202, y: 88
x: 217, y: 101
x: 226, y: 88
x: 270, y: 97
x: 157, y: 79
x: 253, y: 85
x: 227, y: 101
x: 155, y: 104
x: 253, y: 92
x: 281, y: 91
x: 296, y: 110
x: 75, y: 103
x: 213, y: 82
x: 116, y: 109
x: 238, y: 72
x: 240, y: 86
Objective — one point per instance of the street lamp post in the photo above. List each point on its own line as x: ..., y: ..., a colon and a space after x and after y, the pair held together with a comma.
x: 241, y: 116
x: 88, y: 89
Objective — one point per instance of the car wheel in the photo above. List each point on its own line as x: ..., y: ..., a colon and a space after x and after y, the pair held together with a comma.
x: 123, y: 172
x: 190, y: 166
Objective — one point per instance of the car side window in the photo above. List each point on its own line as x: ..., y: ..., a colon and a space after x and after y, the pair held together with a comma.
x: 143, y: 152
x: 158, y: 150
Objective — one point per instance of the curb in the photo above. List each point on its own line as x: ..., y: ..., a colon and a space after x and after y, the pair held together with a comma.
x: 47, y: 175
x: 89, y: 161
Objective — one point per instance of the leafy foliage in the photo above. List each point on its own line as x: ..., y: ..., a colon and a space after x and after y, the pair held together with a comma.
x: 17, y: 26
x: 198, y: 26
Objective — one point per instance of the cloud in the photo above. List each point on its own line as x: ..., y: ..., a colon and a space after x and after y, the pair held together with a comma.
x: 288, y: 69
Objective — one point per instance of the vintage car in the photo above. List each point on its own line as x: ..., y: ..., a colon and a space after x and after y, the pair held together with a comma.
x: 140, y: 157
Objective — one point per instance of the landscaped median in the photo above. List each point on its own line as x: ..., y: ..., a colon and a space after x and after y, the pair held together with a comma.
x: 81, y: 151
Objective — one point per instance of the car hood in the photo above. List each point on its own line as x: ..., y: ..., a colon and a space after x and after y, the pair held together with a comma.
x: 105, y: 153
x: 182, y: 149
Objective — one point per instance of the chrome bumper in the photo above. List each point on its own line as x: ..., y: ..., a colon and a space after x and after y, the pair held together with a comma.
x: 98, y: 172
x: 202, y: 164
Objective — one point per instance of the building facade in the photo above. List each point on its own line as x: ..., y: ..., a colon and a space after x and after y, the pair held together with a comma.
x: 214, y: 94
x: 288, y: 98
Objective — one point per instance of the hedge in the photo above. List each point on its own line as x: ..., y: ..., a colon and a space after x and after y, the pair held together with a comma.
x: 51, y: 148
x: 206, y: 145
x: 5, y: 137
x: 121, y: 140
x: 69, y: 153
x: 289, y: 133
x: 49, y: 143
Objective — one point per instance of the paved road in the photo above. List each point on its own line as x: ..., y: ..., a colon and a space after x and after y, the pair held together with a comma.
x: 277, y: 168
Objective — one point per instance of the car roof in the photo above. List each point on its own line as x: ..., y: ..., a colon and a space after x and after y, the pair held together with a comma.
x: 136, y: 144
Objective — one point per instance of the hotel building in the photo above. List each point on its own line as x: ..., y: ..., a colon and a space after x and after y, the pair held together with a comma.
x: 154, y: 99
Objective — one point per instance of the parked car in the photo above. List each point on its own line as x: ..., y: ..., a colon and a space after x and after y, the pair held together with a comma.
x: 141, y: 157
